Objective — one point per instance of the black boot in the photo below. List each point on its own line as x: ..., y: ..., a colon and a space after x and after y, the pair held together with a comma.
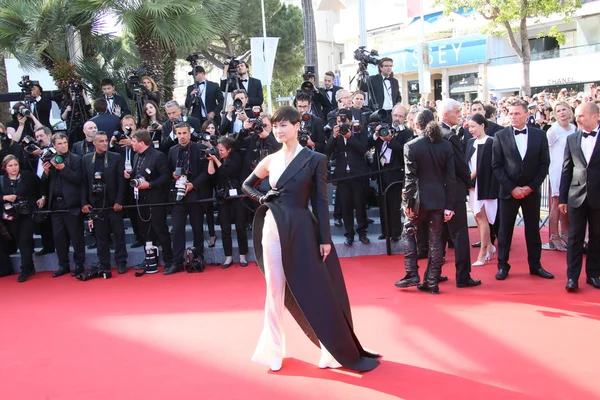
x: 410, y: 257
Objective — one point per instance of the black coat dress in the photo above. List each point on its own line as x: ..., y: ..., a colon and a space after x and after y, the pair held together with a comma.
x: 315, y: 296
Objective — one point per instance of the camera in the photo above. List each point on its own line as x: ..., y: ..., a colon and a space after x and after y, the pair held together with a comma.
x: 51, y: 155
x: 211, y: 152
x: 24, y: 111
x: 220, y: 195
x: 212, y: 139
x: 303, y: 133
x: 193, y: 58
x: 258, y: 125
x: 376, y: 118
x: 134, y: 79
x: 29, y: 144
x: 98, y: 186
x: 122, y: 135
x: 153, y: 126
x: 193, y: 260
x: 344, y: 125
x: 4, y: 136
x: 365, y: 57
x: 238, y: 105
x: 232, y: 64
x: 26, y: 85
x: 180, y: 187
x: 76, y: 89
x: 14, y: 209
x: 137, y: 181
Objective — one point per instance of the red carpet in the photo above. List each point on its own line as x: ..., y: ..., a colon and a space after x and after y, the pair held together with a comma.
x: 191, y: 336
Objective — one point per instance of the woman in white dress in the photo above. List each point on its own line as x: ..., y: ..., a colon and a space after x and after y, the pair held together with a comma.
x: 483, y: 196
x: 557, y: 139
x: 292, y: 244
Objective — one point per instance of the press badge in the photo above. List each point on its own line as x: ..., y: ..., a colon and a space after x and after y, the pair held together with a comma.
x: 233, y: 192
x: 156, y: 144
x: 136, y: 193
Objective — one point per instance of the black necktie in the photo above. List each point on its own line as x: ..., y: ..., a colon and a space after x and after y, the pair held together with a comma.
x: 521, y: 132
x: 592, y: 134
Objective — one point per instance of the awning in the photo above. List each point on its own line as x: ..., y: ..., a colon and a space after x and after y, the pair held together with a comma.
x: 465, y: 89
x: 433, y: 17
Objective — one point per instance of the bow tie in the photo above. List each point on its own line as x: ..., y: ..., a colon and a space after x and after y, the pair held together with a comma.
x: 329, y: 90
x: 592, y: 133
x: 244, y: 80
x: 386, y: 79
x: 521, y: 132
x: 201, y: 83
x: 109, y: 98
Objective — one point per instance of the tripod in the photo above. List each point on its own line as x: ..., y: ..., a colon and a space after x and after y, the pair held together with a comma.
x: 139, y: 104
x: 233, y: 79
x: 363, y: 83
x: 77, y: 111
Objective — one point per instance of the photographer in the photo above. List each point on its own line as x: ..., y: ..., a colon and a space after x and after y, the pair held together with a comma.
x: 115, y: 104
x: 169, y: 139
x: 150, y: 178
x: 40, y: 106
x: 313, y: 125
x: 349, y: 142
x: 237, y: 113
x: 63, y: 177
x: 386, y: 90
x: 150, y: 90
x: 8, y: 146
x: 23, y: 122
x: 189, y: 168
x: 252, y: 86
x: 212, y: 129
x: 255, y: 145
x: 228, y: 167
x: 104, y: 120
x: 86, y: 145
x: 75, y: 110
x: 358, y: 102
x: 204, y: 98
x: 309, y: 88
x: 20, y: 193
x: 328, y: 93
x: 104, y: 192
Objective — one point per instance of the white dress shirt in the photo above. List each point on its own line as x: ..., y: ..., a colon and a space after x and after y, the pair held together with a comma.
x: 387, y: 94
x: 588, y: 144
x: 202, y: 93
x: 521, y: 141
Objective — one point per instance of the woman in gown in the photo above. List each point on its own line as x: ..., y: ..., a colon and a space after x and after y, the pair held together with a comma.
x: 557, y: 140
x: 293, y: 249
x: 483, y: 196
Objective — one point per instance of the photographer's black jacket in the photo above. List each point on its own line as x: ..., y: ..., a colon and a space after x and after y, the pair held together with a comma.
x: 113, y: 178
x: 159, y: 178
x: 255, y: 90
x: 227, y: 125
x: 349, y: 153
x: 198, y: 172
x: 69, y: 180
x: 118, y: 101
x: 213, y: 99
x: 42, y: 110
x: 11, y: 147
x: 168, y: 126
x: 251, y: 147
x: 229, y: 174
x: 83, y: 147
x: 327, y: 105
x: 316, y: 127
x: 27, y: 188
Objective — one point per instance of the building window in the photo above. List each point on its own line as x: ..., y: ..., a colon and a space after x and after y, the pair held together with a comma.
x: 544, y: 48
x: 414, y: 95
x: 464, y: 86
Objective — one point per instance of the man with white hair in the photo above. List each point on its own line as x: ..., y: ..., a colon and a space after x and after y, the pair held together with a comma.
x: 449, y: 114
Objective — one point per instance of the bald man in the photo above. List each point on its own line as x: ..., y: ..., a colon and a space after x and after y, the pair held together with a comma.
x: 86, y: 145
x: 580, y: 196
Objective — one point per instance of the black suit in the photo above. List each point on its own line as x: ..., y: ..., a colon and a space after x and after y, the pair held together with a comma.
x: 327, y: 105
x: 196, y: 170
x: 254, y: 149
x: 107, y: 122
x: 64, y: 192
x: 429, y: 183
x: 108, y: 221
x: 166, y: 141
x: 316, y: 127
x: 254, y: 91
x: 42, y: 110
x: 117, y: 101
x: 376, y: 83
x: 213, y: 100
x: 580, y: 190
x: 83, y: 147
x: 512, y: 171
x: 153, y: 166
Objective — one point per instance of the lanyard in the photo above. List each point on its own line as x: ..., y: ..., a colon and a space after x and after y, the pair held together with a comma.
x: 105, y: 159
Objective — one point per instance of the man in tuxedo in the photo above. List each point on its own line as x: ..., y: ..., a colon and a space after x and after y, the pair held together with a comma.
x: 312, y: 124
x: 458, y: 228
x: 169, y: 139
x: 386, y: 90
x: 580, y: 196
x: 389, y: 152
x: 105, y: 120
x: 115, y: 104
x: 252, y: 86
x: 328, y: 93
x: 428, y: 199
x: 204, y: 98
x: 187, y: 159
x: 477, y: 107
x: 41, y: 106
x: 104, y: 188
x: 150, y: 167
x: 86, y: 145
x: 350, y: 146
x: 520, y: 161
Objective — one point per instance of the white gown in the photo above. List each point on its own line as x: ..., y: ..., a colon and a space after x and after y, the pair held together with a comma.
x: 491, y: 206
x: 557, y: 140
x: 270, y: 349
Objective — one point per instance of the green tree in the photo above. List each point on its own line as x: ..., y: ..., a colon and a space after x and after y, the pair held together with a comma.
x: 509, y: 18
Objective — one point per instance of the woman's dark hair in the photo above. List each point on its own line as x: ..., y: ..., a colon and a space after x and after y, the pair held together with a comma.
x: 480, y: 119
x: 210, y: 122
x: 146, y: 119
x: 423, y: 117
x: 286, y: 113
x: 227, y: 142
x: 16, y: 108
x: 433, y: 132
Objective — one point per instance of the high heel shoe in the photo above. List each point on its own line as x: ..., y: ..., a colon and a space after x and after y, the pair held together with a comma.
x: 490, y: 254
x: 480, y: 263
x: 212, y: 242
x: 556, y: 243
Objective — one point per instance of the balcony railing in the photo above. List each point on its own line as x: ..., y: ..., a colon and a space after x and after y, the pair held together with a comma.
x: 548, y: 54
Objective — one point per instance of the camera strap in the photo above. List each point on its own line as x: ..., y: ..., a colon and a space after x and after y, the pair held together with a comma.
x: 105, y: 159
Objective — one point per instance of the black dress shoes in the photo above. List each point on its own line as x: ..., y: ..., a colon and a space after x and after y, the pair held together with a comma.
x: 136, y: 244
x: 429, y: 289
x: 43, y: 251
x: 122, y: 269
x: 502, y: 274
x: 470, y: 283
x: 173, y: 269
x: 408, y: 281
x: 226, y: 265
x: 595, y: 282
x: 572, y: 285
x: 442, y: 278
x: 78, y: 270
x: 364, y: 239
x: 349, y: 241
x: 61, y: 271
x: 541, y: 272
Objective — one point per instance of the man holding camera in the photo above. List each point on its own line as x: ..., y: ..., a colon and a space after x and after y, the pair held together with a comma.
x: 204, y: 98
x: 237, y: 112
x: 252, y: 86
x: 169, y: 139
x: 256, y: 144
x: 149, y: 178
x: 63, y: 176
x: 104, y: 191
x: 115, y: 104
x: 189, y: 168
x: 311, y: 124
x: 349, y: 142
x: 386, y: 90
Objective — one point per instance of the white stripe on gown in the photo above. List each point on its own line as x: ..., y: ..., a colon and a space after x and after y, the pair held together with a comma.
x: 270, y: 349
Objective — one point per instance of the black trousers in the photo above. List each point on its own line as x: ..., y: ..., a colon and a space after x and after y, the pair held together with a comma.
x: 579, y: 218
x: 45, y: 230
x: 352, y: 194
x: 458, y: 228
x: 394, y: 199
x: 132, y: 214
x: 233, y: 211
x: 179, y: 216
x: 108, y: 222
x: 21, y: 229
x: 68, y: 228
x: 208, y: 209
x: 431, y: 220
x: 337, y: 204
x: 508, y: 209
x: 155, y: 218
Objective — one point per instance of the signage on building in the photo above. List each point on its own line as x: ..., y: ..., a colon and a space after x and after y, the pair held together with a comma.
x: 442, y: 54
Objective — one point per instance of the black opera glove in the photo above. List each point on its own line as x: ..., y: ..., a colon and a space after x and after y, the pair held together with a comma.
x: 271, y: 194
x: 249, y: 189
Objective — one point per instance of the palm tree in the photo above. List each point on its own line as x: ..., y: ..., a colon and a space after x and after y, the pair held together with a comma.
x: 310, y: 35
